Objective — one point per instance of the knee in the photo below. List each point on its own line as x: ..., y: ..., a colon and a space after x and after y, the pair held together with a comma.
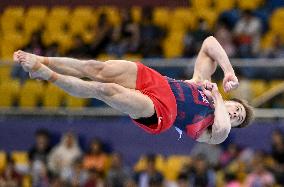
x: 108, y: 89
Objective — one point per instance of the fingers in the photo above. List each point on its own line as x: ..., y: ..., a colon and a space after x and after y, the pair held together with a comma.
x: 230, y: 85
x: 207, y: 85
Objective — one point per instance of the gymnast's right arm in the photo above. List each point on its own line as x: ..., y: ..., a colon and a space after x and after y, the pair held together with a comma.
x: 210, y: 55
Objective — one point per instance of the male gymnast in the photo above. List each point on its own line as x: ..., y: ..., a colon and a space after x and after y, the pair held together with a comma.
x: 154, y: 102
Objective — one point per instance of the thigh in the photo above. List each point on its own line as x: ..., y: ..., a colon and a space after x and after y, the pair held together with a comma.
x: 129, y: 101
x: 121, y: 72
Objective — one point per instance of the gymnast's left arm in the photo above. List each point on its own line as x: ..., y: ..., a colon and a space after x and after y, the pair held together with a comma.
x: 222, y: 125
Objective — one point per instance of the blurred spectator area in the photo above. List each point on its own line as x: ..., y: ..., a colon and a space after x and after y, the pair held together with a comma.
x: 139, y: 33
x: 244, y: 162
x: 66, y: 28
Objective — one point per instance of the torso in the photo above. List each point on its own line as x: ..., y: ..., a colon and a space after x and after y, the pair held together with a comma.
x: 194, y: 111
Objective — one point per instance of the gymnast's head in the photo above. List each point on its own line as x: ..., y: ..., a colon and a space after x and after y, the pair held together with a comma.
x: 240, y: 112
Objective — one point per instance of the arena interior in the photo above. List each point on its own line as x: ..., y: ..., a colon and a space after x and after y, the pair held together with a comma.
x: 49, y: 138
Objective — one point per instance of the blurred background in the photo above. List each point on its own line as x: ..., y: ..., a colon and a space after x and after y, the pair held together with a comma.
x: 48, y: 138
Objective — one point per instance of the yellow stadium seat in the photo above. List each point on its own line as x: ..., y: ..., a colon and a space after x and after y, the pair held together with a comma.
x: 258, y: 87
x: 13, y: 11
x: 60, y: 12
x: 174, y: 165
x: 209, y: 15
x: 136, y: 13
x: 267, y: 40
x: 197, y: 4
x: 20, y: 157
x: 112, y: 14
x: 3, y: 160
x: 5, y: 72
x: 251, y: 4
x: 105, y: 57
x: 8, y: 92
x: 37, y: 12
x: 34, y: 19
x: 184, y: 17
x: 12, y: 42
x: 221, y: 90
x: 275, y: 82
x: 161, y: 16
x: 275, y: 20
x: 56, y: 28
x: 75, y: 102
x: 81, y: 20
x: 27, y: 181
x: 11, y: 19
x: 142, y: 163
x: 173, y: 45
x: 132, y: 57
x: 21, y: 160
x: 30, y: 93
x: 224, y: 5
x: 52, y: 96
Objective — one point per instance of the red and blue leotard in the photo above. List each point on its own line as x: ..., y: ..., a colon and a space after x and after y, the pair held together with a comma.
x: 177, y: 103
x: 194, y: 111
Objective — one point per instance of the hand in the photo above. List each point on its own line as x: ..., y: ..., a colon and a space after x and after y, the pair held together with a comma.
x: 210, y: 90
x: 230, y: 82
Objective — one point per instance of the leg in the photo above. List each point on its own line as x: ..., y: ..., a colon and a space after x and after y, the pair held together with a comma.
x: 66, y: 66
x: 121, y: 72
x: 126, y: 100
x: 129, y: 101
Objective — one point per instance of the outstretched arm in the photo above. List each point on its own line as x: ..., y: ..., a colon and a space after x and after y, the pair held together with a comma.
x: 211, y: 55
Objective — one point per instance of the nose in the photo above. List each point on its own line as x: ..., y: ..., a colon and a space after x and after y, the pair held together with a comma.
x: 232, y: 114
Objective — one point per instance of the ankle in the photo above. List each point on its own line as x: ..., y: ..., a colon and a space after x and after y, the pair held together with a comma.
x: 43, y: 60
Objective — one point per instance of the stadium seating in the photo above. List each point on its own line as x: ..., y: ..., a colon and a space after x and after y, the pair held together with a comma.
x: 224, y: 5
x: 161, y: 16
x: 173, y: 44
x: 9, y: 92
x: 30, y: 93
x: 34, y: 19
x: 112, y: 13
x: 5, y: 72
x: 75, y: 102
x: 3, y: 160
x: 258, y: 87
x: 81, y: 20
x: 52, y: 96
x: 251, y: 5
x: 142, y: 163
x: 174, y: 165
x: 275, y: 20
x: 136, y: 14
x: 197, y: 4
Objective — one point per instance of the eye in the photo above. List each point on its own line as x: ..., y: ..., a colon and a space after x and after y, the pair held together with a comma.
x: 238, y: 109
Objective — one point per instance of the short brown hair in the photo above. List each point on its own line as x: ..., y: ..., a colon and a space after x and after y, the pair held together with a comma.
x: 249, y: 112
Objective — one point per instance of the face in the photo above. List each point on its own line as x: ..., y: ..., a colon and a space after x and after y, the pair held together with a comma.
x: 236, y: 112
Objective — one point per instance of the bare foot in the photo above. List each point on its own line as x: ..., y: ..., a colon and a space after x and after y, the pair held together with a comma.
x: 32, y: 64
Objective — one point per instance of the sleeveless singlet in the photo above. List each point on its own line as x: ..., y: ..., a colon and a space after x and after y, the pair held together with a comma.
x: 194, y: 112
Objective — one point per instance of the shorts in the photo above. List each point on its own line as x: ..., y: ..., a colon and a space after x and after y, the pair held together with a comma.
x: 156, y: 87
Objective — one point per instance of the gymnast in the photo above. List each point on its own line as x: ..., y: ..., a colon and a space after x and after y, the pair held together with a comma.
x: 154, y: 102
